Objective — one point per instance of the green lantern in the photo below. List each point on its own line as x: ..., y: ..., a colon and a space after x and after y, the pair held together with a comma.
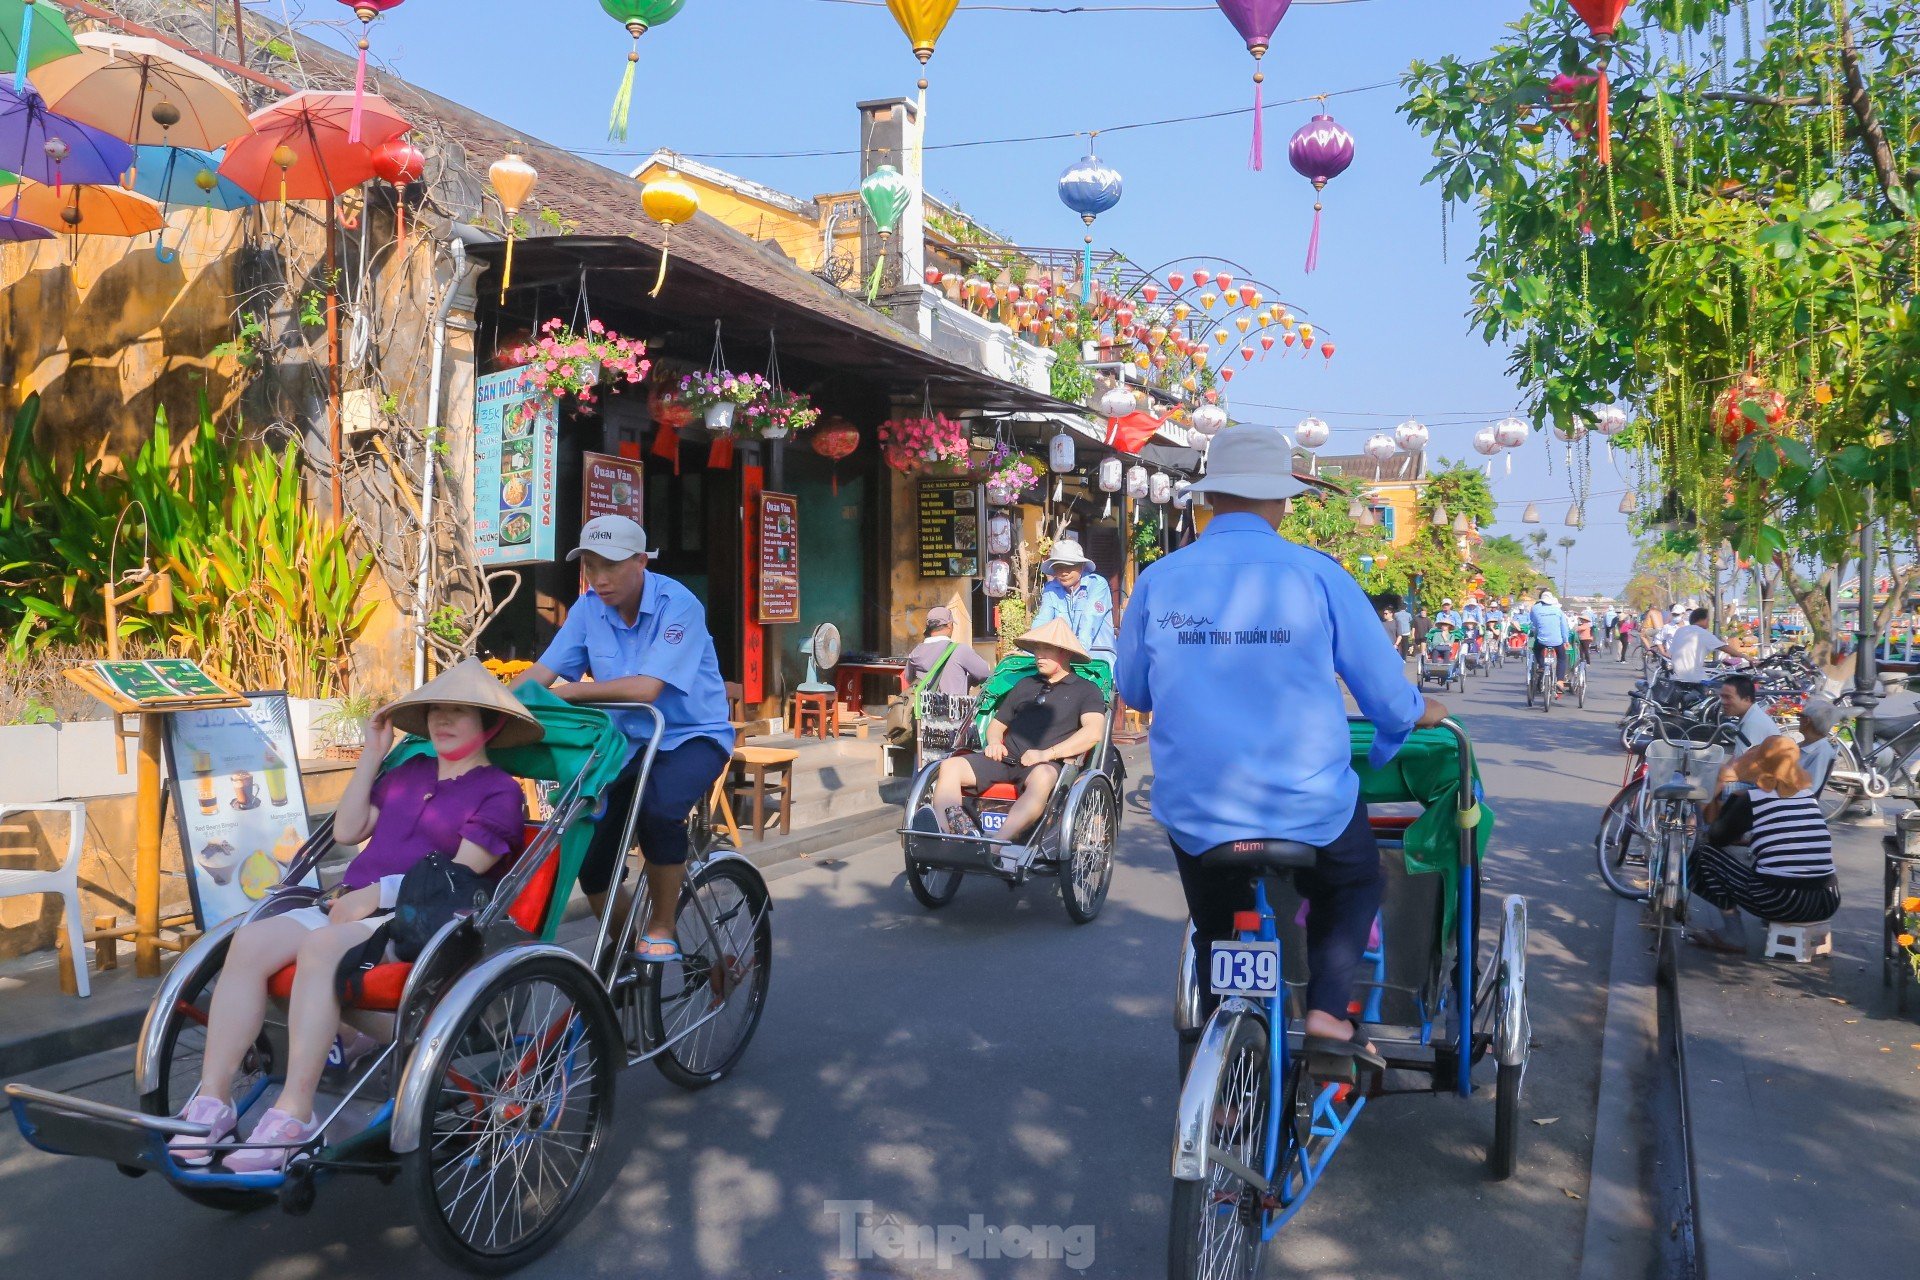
x: 639, y: 16
x: 886, y: 195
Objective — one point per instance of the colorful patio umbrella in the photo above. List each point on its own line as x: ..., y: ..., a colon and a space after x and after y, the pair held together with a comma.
x: 29, y: 40
x: 143, y: 92
x: 44, y: 147
x: 83, y: 210
x: 299, y: 148
x: 184, y: 178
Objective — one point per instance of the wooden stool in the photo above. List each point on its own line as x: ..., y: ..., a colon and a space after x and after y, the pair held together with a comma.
x: 720, y: 810
x: 752, y: 769
x: 820, y: 710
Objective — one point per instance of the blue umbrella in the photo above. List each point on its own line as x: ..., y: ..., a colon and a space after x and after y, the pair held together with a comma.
x: 181, y: 176
x: 35, y: 143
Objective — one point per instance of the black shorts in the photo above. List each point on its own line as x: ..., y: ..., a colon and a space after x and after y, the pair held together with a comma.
x: 987, y: 773
x: 681, y: 779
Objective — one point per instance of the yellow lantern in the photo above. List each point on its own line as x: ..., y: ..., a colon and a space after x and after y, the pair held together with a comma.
x: 1181, y: 311
x: 669, y: 202
x: 1243, y: 323
x: 1306, y: 335
x: 1207, y: 300
x: 1189, y: 383
x: 1257, y: 299
x: 1141, y: 359
x: 513, y: 179
x: 1286, y: 319
x: 923, y: 21
x: 1220, y: 337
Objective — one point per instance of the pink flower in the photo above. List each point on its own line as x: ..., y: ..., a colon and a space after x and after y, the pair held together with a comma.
x: 594, y: 326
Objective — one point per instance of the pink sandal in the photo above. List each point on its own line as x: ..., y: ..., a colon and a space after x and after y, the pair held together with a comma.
x: 285, y: 1134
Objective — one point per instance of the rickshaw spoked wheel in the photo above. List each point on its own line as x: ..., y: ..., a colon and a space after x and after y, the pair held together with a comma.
x: 726, y: 943
x: 932, y: 887
x: 1215, y: 1227
x: 1086, y: 872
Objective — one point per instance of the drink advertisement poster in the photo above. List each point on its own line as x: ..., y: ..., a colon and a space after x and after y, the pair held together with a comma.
x: 243, y: 812
x: 516, y: 442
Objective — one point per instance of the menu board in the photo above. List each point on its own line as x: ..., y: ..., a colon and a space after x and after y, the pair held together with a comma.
x: 612, y: 486
x: 949, y: 529
x: 515, y: 442
x: 160, y: 680
x: 779, y: 557
x: 243, y: 813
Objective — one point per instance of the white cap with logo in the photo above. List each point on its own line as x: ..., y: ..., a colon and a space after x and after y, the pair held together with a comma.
x: 613, y: 538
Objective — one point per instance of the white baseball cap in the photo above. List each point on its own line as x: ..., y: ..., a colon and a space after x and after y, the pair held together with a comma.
x: 1251, y: 462
x: 613, y: 538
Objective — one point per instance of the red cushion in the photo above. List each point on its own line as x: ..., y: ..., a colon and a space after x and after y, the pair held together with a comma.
x: 1001, y: 791
x: 1391, y: 821
x: 382, y: 990
x: 530, y: 907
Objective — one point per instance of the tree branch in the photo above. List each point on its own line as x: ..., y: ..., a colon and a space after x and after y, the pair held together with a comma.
x: 1860, y: 102
x: 1759, y: 99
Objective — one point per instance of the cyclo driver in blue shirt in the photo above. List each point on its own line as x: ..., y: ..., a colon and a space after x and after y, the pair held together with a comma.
x: 1080, y: 597
x: 1551, y: 631
x: 1234, y: 644
x: 644, y: 638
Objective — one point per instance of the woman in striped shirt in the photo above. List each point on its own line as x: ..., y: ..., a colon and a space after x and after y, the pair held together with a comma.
x: 1791, y: 879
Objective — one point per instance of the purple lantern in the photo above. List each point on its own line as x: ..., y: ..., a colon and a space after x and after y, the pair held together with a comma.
x: 1256, y: 20
x: 1320, y: 152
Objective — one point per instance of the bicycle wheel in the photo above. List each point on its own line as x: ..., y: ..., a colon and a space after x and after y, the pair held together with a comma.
x: 1838, y: 796
x: 1669, y: 894
x: 1086, y: 871
x: 709, y: 1001
x: 1215, y: 1229
x: 1533, y: 682
x: 1620, y: 846
x: 1580, y: 689
x: 520, y: 1105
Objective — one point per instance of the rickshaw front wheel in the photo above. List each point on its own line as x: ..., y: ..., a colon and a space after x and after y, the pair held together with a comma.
x: 1503, y: 1155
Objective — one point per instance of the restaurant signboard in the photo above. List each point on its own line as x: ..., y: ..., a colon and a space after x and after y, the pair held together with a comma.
x: 779, y: 558
x: 516, y: 440
x: 612, y: 486
x: 949, y: 527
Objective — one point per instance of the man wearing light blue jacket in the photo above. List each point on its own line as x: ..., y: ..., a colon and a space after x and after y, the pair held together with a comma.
x: 1238, y: 644
x: 1078, y: 596
x: 1550, y: 631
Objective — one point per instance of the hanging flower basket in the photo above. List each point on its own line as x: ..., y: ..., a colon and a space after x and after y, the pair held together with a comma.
x: 1009, y: 475
x: 719, y: 395
x: 564, y: 362
x: 778, y: 414
x: 926, y: 446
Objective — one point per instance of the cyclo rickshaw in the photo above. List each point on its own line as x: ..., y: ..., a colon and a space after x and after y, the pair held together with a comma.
x: 492, y: 1096
x: 1256, y: 1130
x: 1074, y: 838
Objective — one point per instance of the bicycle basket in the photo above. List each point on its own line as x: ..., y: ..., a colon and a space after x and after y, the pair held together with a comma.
x: 1700, y: 765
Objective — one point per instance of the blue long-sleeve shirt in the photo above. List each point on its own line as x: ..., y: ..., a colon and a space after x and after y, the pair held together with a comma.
x: 1549, y: 624
x: 1088, y: 610
x: 1234, y: 643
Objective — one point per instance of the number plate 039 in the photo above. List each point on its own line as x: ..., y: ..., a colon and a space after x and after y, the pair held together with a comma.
x: 1246, y: 969
x: 992, y: 820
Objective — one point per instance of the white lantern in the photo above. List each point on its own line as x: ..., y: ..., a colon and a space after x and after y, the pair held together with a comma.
x: 1160, y: 488
x: 1136, y: 481
x: 999, y: 535
x: 1208, y: 419
x: 1111, y: 474
x: 1511, y: 432
x: 1486, y: 442
x: 1311, y: 433
x: 1572, y: 431
x: 1575, y: 516
x: 1183, y: 494
x: 1410, y: 435
x: 999, y: 579
x: 1611, y: 420
x: 1060, y: 453
x: 1629, y: 503
x: 1531, y: 515
x: 1380, y: 447
x: 1118, y: 402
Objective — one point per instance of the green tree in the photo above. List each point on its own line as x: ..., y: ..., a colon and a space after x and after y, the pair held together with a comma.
x: 1507, y: 567
x: 1325, y: 522
x: 1438, y: 562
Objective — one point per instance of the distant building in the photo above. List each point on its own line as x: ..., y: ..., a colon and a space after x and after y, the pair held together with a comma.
x: 1393, y: 486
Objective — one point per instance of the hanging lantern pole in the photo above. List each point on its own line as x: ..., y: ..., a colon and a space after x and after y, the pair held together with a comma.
x: 26, y: 40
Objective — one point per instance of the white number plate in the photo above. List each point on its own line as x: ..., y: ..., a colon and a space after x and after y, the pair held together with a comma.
x: 1246, y: 969
x: 992, y: 820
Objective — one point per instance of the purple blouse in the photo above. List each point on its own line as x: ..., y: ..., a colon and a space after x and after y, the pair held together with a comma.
x: 419, y: 814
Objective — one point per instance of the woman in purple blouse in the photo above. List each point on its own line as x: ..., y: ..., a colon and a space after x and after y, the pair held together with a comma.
x: 454, y: 803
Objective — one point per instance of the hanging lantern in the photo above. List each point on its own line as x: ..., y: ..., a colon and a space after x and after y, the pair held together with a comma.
x: 1320, y: 152
x: 1356, y: 510
x: 1439, y: 515
x: 1306, y: 336
x: 1246, y: 354
x: 1629, y: 503
x: 1118, y: 401
x: 1256, y: 20
x: 1511, y: 432
x: 923, y: 21
x: 366, y: 11
x: 1249, y: 296
x: 1111, y: 475
x: 669, y: 202
x: 1266, y: 342
x: 1410, y: 435
x: 1603, y: 19
x: 1160, y: 489
x: 1243, y: 323
x: 513, y: 181
x: 1575, y: 516
x: 1610, y: 421
x: 1202, y: 277
x: 1531, y: 515
x: 1176, y: 281
x: 1226, y: 375
x: 999, y: 579
x: 1326, y: 350
x: 398, y: 163
x: 1461, y: 524
x: 1380, y: 447
x: 886, y: 193
x: 1312, y: 433
x: 1730, y: 408
x: 1136, y: 481
x: 999, y: 535
x: 1209, y: 419
x: 638, y: 16
x: 1183, y: 494
x: 1060, y: 453
x: 1486, y: 442
x: 1570, y: 431
x: 1089, y: 187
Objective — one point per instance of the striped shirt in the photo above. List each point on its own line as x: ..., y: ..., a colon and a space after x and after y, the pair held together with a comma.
x: 1789, y: 837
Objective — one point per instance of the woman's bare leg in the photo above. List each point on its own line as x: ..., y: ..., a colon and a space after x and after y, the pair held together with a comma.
x: 313, y: 1014
x: 239, y: 1006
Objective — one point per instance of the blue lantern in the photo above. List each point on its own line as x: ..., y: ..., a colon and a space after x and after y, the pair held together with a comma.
x: 1089, y: 187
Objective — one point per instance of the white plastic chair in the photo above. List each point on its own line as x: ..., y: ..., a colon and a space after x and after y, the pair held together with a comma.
x: 63, y: 880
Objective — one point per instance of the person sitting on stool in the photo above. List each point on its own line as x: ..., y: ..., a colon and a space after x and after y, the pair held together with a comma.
x: 1792, y: 878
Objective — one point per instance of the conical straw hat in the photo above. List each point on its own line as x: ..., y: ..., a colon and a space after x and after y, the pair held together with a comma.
x: 469, y: 684
x: 1056, y: 633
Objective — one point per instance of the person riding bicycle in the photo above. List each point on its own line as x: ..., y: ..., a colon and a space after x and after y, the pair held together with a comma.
x: 1080, y: 596
x: 1551, y: 631
x: 644, y: 638
x: 1582, y: 637
x: 1238, y: 645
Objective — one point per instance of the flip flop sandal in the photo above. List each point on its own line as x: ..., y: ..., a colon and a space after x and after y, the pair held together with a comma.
x: 1329, y: 1058
x: 652, y: 950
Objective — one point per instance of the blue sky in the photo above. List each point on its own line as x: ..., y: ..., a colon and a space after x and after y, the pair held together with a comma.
x: 729, y: 76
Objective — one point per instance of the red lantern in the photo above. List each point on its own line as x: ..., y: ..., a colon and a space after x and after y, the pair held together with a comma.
x: 1226, y: 375
x: 835, y: 440
x: 1151, y: 292
x: 1201, y: 277
x: 1246, y: 353
x: 1247, y: 294
x: 1176, y: 281
x: 933, y: 276
x: 1326, y: 349
x: 1729, y: 410
x: 400, y: 163
x: 1225, y: 282
x: 1603, y: 19
x: 1266, y: 342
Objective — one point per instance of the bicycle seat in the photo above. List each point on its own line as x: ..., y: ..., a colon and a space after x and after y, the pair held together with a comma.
x: 1262, y: 856
x: 1675, y: 788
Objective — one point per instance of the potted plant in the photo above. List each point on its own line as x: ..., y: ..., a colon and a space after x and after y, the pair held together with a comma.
x: 926, y: 446
x: 719, y: 394
x: 779, y: 413
x: 563, y: 362
x: 1009, y: 475
x: 345, y: 727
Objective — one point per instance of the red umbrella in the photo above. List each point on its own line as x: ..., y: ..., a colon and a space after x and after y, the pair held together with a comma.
x: 300, y: 150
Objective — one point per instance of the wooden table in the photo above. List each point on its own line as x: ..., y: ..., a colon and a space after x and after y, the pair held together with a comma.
x: 847, y: 678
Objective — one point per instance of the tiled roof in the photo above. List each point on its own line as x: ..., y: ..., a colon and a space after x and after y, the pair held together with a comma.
x: 1401, y: 468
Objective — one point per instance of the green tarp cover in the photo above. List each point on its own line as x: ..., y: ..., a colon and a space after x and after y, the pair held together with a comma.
x: 1426, y: 772
x: 573, y: 736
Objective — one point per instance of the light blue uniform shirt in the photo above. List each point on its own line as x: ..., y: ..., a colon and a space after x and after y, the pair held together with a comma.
x: 1447, y: 618
x: 1495, y: 617
x: 1088, y: 610
x: 668, y: 641
x: 1234, y: 643
x: 1470, y: 614
x: 1549, y: 624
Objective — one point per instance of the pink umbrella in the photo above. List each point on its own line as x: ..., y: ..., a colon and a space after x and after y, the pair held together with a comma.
x: 1256, y: 20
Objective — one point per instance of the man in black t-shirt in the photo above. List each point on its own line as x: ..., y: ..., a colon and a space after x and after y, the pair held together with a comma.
x: 1051, y: 716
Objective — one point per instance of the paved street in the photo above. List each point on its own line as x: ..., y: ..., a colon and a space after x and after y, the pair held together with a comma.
x: 989, y: 1060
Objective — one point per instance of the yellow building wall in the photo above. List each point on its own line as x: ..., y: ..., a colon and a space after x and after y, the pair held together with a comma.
x: 1404, y: 501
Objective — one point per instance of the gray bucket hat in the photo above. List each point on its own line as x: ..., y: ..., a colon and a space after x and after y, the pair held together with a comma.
x: 1251, y: 462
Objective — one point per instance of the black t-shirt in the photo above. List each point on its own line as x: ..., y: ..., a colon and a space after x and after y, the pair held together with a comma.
x: 1039, y: 715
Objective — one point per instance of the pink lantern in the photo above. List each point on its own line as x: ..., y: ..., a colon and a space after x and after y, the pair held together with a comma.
x: 1320, y: 152
x: 1511, y: 432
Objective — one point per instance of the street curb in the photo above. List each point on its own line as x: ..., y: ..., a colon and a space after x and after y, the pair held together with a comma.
x: 80, y: 1038
x: 1620, y: 1208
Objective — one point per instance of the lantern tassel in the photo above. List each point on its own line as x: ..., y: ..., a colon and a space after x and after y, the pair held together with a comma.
x: 1086, y: 273
x: 359, y: 90
x: 1313, y: 240
x: 623, y: 101
x: 400, y: 220
x: 1259, y: 158
x: 1606, y: 118
x: 1509, y: 463
x: 506, y: 275
x: 660, y: 280
x: 26, y: 43
x: 873, y: 285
